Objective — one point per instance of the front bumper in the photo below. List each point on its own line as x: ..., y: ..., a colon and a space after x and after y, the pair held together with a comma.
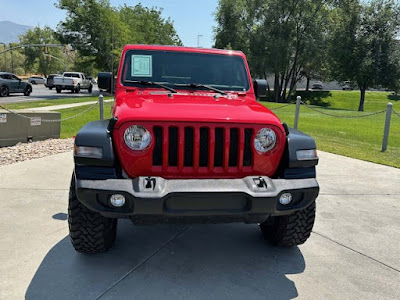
x: 169, y: 198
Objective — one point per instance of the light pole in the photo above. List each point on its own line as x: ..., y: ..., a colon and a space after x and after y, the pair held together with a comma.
x: 198, y: 40
x: 12, y: 60
x: 5, y: 57
x: 23, y: 48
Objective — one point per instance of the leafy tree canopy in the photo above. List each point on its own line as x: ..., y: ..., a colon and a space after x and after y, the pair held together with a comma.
x: 99, y: 31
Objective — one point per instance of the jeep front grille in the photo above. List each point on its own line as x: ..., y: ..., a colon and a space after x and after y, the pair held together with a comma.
x: 201, y: 147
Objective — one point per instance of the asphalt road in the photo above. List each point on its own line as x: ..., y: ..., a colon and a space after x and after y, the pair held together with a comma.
x: 40, y: 92
x: 353, y: 252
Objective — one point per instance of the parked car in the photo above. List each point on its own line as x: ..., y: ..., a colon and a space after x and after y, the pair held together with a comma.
x: 50, y: 81
x: 190, y: 144
x: 73, y: 81
x: 37, y: 80
x: 9, y: 83
x: 318, y: 85
x: 347, y: 86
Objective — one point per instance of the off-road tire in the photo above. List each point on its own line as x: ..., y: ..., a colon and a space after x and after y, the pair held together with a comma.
x: 89, y: 231
x: 4, y: 91
x: 290, y: 230
x: 28, y: 90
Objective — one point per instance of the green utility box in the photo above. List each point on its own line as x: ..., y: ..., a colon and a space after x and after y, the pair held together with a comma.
x: 15, y: 129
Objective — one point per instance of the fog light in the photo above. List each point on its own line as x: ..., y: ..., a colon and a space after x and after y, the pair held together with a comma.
x: 117, y: 200
x: 285, y: 198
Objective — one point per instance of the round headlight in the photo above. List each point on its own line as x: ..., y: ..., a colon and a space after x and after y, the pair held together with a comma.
x: 137, y: 137
x: 265, y: 140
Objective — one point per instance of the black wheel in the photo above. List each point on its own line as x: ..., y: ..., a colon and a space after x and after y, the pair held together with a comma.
x: 33, y: 82
x: 78, y: 89
x: 90, y: 89
x: 89, y: 231
x: 290, y: 230
x: 28, y: 90
x: 58, y: 90
x: 50, y: 88
x: 4, y: 91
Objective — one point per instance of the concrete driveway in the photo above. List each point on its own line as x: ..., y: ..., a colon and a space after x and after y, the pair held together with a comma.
x: 354, y: 252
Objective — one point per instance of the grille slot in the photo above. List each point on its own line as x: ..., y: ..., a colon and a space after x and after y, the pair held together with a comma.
x: 219, y: 147
x: 247, y: 155
x: 189, y: 142
x: 157, y: 152
x: 204, y: 145
x: 233, y: 147
x: 173, y: 146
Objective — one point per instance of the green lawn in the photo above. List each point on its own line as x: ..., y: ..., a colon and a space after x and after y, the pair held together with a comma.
x: 43, y: 103
x: 349, y: 100
x: 359, y: 138
x: 70, y: 128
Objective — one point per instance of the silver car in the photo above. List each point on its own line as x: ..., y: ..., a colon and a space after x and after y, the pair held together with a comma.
x: 37, y: 80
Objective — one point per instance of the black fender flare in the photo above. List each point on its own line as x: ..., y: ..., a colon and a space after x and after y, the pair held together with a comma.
x: 97, y: 134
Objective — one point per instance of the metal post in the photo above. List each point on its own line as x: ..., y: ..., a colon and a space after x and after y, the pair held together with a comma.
x: 296, y: 116
x: 101, y: 102
x: 387, y: 126
x: 12, y: 61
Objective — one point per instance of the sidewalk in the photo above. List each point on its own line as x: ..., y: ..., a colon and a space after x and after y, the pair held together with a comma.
x: 353, y: 252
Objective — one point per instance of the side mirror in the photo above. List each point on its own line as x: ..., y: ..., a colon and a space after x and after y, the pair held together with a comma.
x: 104, y: 80
x: 260, y: 87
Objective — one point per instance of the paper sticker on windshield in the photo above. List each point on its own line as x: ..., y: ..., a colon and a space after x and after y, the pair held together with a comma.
x: 141, y: 65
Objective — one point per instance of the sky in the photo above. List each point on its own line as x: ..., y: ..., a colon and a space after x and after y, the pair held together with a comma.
x: 191, y: 18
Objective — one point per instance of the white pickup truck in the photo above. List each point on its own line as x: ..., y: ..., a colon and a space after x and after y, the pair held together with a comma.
x: 73, y: 81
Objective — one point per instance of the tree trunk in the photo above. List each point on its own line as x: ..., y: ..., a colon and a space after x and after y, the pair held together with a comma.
x: 362, y: 99
x: 269, y: 90
x: 276, y: 87
x: 308, y: 84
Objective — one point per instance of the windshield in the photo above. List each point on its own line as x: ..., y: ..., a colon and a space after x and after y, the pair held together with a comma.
x: 224, y: 72
x: 71, y: 75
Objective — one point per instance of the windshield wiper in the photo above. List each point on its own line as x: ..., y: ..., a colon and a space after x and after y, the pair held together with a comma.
x: 144, y: 82
x: 197, y: 85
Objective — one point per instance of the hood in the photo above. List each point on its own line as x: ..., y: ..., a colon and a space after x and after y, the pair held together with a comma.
x: 191, y: 107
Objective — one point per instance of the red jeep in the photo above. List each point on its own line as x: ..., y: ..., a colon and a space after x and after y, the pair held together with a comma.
x: 189, y: 143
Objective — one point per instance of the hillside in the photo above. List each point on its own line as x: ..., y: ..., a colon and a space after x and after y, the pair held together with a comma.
x: 9, y: 31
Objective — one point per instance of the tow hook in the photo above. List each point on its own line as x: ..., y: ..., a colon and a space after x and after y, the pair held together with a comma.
x: 150, y: 183
x: 260, y: 182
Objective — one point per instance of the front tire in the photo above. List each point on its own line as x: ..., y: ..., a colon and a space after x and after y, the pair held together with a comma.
x: 78, y: 89
x: 58, y: 90
x: 89, y: 231
x: 90, y: 89
x: 290, y: 230
x: 27, y: 91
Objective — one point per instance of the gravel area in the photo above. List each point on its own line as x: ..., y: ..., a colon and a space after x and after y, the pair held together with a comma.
x: 27, y: 151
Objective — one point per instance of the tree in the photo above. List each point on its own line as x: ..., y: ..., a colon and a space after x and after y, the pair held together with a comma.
x: 363, y: 48
x: 36, y: 58
x: 99, y: 31
x: 284, y: 38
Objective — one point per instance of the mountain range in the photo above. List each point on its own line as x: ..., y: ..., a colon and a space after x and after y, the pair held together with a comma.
x: 9, y: 31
